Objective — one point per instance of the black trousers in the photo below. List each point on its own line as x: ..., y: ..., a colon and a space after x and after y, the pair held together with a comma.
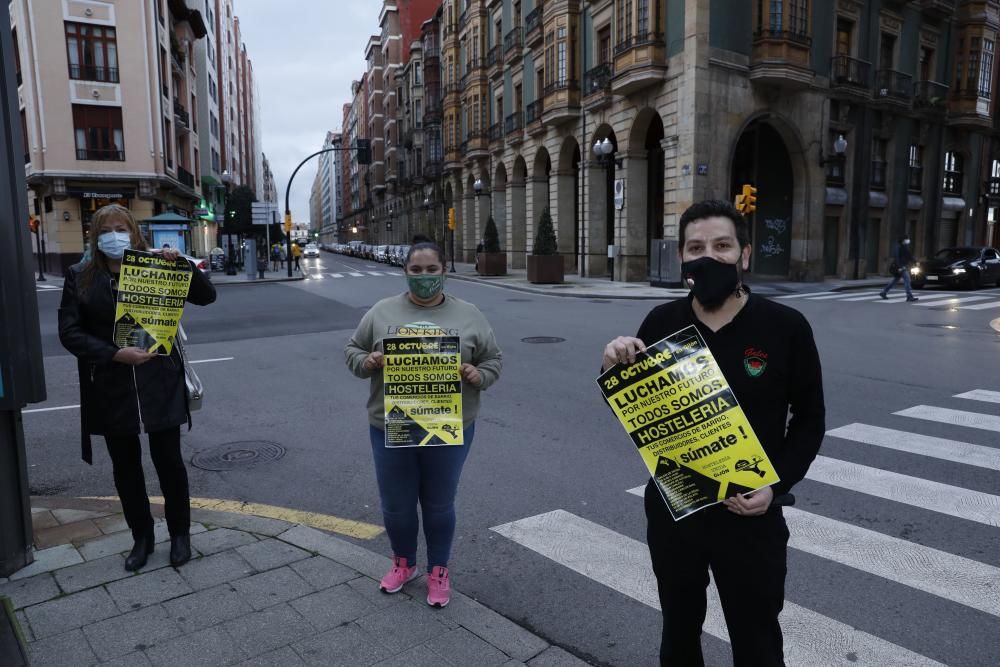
x: 747, y: 558
x: 126, y: 459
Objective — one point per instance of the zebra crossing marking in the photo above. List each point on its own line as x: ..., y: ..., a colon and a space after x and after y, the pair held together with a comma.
x: 804, y: 295
x: 335, y: 275
x: 953, y: 451
x: 622, y: 564
x: 953, y: 417
x: 984, y: 395
x: 954, y: 301
x: 355, y: 274
x: 376, y: 273
x: 914, y: 491
x: 843, y: 295
x: 983, y: 306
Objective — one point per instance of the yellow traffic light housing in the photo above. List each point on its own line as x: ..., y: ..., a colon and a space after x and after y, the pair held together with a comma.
x: 740, y: 202
x: 451, y: 218
x: 749, y: 198
x: 288, y: 223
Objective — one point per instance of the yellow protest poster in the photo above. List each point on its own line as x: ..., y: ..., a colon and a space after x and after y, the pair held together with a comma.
x: 152, y: 292
x: 422, y: 389
x: 688, y: 426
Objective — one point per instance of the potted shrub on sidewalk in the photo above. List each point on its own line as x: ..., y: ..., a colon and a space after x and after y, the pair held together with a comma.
x: 545, y: 264
x: 492, y: 262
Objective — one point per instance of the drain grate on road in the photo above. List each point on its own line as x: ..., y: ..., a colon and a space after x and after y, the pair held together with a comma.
x: 241, y: 454
x: 543, y: 339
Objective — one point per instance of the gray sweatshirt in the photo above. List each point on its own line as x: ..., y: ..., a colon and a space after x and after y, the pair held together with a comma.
x: 398, y: 316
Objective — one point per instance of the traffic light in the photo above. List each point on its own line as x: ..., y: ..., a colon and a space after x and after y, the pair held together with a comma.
x: 288, y: 223
x: 364, y: 148
x: 740, y: 202
x: 749, y: 199
x: 451, y: 218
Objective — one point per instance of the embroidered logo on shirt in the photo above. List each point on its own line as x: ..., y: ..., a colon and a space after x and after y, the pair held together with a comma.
x: 754, y: 362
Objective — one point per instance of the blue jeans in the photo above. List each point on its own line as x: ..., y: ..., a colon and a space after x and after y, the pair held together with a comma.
x: 429, y: 475
x: 905, y: 275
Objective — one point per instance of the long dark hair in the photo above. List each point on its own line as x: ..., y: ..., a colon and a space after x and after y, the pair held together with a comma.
x: 98, y: 263
x: 421, y: 242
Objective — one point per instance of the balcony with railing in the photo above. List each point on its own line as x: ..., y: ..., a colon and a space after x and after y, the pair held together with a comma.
x: 597, y: 87
x: 513, y: 44
x: 513, y: 126
x: 850, y: 77
x: 494, y: 62
x: 533, y: 117
x: 533, y: 25
x: 952, y: 184
x: 181, y: 115
x: 781, y: 58
x: 562, y: 101
x: 893, y: 89
x: 639, y: 61
x: 93, y: 73
x: 102, y: 154
x: 496, y: 136
x: 185, y: 177
x: 930, y: 98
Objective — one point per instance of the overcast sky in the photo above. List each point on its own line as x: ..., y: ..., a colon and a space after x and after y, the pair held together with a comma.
x: 305, y: 54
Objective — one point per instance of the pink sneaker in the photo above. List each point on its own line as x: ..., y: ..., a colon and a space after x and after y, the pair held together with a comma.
x: 438, y: 587
x: 398, y: 576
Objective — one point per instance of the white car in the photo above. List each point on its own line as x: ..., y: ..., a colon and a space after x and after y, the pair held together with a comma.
x: 311, y: 250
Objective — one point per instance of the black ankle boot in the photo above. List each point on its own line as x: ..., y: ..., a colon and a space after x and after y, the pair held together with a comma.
x: 180, y: 550
x: 140, y: 552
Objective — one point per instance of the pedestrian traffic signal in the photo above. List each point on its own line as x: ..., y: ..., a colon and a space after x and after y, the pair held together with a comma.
x: 451, y: 218
x: 364, y: 148
x: 749, y: 199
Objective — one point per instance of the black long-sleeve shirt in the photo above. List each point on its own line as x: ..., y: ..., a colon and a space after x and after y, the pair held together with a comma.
x: 768, y: 356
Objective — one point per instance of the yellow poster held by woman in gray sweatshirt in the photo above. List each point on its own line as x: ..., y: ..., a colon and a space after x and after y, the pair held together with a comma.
x: 422, y: 389
x: 152, y: 292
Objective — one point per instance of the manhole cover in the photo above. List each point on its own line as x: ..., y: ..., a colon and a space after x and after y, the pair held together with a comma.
x: 520, y: 300
x: 238, y: 455
x: 543, y: 339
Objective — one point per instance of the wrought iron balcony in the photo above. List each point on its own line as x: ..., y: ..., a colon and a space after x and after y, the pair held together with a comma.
x: 105, y: 154
x: 533, y: 116
x: 494, y: 61
x: 181, y: 114
x: 851, y: 76
x: 597, y: 86
x: 533, y: 24
x: 496, y: 132
x: 894, y: 86
x: 93, y: 73
x: 513, y: 42
x: 930, y: 96
x: 514, y: 123
x: 185, y: 177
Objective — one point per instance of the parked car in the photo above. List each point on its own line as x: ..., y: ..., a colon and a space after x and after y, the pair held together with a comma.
x: 311, y: 250
x: 966, y: 266
x: 202, y: 265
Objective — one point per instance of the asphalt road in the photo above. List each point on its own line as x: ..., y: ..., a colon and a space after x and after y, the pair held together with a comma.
x: 894, y: 556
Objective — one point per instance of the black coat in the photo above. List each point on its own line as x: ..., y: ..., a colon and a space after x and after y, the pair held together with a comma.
x: 116, y: 398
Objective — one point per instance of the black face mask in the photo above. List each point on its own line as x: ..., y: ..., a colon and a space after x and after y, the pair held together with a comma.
x: 714, y: 281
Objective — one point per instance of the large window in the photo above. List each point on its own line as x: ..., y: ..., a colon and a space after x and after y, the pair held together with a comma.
x: 986, y: 69
x: 952, y: 173
x: 98, y: 132
x: 92, y: 51
x: 782, y: 17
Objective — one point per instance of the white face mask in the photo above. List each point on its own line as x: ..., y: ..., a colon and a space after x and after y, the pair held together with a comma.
x: 114, y: 244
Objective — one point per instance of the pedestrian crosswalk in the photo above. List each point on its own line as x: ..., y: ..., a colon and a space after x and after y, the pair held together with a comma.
x: 359, y: 274
x: 984, y: 300
x: 813, y: 638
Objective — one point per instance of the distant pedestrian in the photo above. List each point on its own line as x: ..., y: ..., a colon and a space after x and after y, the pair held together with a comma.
x: 429, y: 476
x: 479, y: 249
x: 296, y: 253
x: 903, y: 260
x: 275, y: 256
x: 124, y: 391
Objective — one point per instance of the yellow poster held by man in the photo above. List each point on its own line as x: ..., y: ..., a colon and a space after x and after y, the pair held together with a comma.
x: 152, y: 292
x: 689, y: 428
x: 422, y: 389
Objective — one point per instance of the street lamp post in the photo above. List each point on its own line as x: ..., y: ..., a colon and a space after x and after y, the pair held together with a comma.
x: 604, y: 151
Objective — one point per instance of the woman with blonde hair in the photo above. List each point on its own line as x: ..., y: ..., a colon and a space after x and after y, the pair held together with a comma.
x: 124, y: 391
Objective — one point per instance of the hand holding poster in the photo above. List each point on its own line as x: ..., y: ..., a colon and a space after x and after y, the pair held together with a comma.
x: 688, y: 426
x: 152, y: 292
x: 422, y: 386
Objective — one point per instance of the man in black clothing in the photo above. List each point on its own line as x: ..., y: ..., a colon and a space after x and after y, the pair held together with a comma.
x: 767, y: 354
x: 904, y: 260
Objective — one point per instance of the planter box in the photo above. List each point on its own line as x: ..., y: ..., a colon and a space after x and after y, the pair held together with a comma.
x: 545, y: 269
x: 492, y: 263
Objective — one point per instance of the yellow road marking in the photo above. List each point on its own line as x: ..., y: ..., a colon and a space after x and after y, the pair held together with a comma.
x: 327, y: 522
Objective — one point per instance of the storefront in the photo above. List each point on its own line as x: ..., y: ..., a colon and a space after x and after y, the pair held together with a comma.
x: 91, y: 200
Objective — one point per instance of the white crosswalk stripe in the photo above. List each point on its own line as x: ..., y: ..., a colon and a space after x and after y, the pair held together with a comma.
x: 927, y: 299
x: 983, y: 306
x: 622, y: 564
x: 953, y: 301
x: 335, y: 275
x: 356, y: 274
x: 844, y: 296
x: 922, y: 445
x: 984, y: 395
x: 376, y: 273
x: 953, y: 417
x: 811, y: 638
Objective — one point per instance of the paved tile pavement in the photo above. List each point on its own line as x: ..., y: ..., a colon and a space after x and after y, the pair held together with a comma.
x: 257, y: 592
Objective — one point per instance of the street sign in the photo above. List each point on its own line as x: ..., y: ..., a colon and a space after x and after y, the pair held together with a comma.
x: 264, y: 213
x: 619, y: 193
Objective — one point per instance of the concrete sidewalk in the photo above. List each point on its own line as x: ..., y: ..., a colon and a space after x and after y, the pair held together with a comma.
x: 258, y: 591
x: 602, y: 288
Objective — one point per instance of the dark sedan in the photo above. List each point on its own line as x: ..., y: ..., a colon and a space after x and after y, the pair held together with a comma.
x: 969, y: 267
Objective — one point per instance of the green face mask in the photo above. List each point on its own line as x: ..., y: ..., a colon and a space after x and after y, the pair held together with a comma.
x: 426, y: 286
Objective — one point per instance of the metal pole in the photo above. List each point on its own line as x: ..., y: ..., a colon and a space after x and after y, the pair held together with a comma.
x: 453, y: 251
x: 288, y: 210
x: 38, y: 242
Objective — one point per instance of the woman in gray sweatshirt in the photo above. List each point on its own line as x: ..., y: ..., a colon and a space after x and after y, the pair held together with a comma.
x: 425, y: 474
